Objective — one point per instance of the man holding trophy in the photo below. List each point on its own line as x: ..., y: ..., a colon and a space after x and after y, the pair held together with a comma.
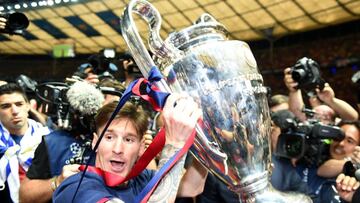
x: 222, y: 77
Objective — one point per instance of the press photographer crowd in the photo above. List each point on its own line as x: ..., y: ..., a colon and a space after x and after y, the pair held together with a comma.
x: 98, y: 137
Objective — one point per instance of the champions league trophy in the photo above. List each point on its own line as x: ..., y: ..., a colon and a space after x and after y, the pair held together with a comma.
x: 222, y: 76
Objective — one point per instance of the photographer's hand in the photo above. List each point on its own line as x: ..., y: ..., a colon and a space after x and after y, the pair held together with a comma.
x: 296, y: 103
x: 2, y: 23
x: 147, y: 138
x: 355, y: 156
x: 145, y: 143
x: 67, y: 171
x: 342, y: 108
x: 346, y: 187
x: 92, y: 78
x: 326, y: 95
x: 289, y: 81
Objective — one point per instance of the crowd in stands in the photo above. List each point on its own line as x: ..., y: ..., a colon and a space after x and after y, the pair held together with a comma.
x: 336, y: 56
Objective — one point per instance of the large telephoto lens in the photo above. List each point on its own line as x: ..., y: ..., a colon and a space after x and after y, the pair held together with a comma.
x: 17, y: 21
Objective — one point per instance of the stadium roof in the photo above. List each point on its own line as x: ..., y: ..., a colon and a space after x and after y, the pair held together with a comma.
x: 93, y: 25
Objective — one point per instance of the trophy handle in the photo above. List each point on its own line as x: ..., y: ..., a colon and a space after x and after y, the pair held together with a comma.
x: 136, y: 46
x: 160, y: 49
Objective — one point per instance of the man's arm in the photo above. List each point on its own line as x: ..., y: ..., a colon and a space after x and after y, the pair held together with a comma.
x: 38, y: 176
x: 176, y: 183
x: 168, y: 186
x: 42, y: 193
x: 193, y: 182
x: 296, y: 103
x: 342, y: 108
x: 180, y: 116
x: 331, y: 168
x: 44, y: 187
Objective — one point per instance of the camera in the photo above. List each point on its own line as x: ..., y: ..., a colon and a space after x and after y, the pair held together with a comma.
x: 55, y: 103
x: 101, y: 64
x: 132, y: 69
x: 26, y: 83
x: 307, y: 74
x: 16, y: 23
x: 307, y: 141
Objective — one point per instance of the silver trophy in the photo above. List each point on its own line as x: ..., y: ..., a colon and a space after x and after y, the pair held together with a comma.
x: 222, y: 76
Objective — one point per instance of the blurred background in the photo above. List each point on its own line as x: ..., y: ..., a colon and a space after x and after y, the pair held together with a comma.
x: 62, y: 34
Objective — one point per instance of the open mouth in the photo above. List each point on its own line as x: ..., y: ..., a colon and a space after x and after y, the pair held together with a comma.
x: 117, y: 166
x: 339, y: 151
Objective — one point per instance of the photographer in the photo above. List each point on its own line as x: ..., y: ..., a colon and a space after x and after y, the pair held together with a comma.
x: 59, y: 154
x: 320, y: 162
x: 284, y: 176
x: 307, y: 146
x: 130, y: 69
x: 325, y: 95
x: 97, y: 67
x: 86, y: 72
x: 342, y: 151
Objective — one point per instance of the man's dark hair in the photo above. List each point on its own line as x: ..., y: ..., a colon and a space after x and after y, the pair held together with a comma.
x: 11, y: 88
x: 355, y: 123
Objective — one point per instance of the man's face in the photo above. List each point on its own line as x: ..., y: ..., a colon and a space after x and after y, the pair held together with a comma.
x: 14, y: 112
x: 344, y: 148
x: 119, y: 148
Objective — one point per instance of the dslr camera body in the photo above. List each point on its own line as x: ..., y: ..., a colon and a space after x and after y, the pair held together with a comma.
x: 100, y: 64
x: 307, y: 74
x: 307, y: 141
x: 55, y: 103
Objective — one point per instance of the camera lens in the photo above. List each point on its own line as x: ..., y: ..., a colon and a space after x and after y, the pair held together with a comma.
x: 298, y: 74
x: 18, y: 21
x: 293, y: 146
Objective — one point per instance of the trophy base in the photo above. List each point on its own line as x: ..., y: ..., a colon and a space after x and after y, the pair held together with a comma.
x: 270, y: 195
x: 258, y: 189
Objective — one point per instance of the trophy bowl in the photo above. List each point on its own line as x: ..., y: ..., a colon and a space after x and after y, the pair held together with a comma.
x: 221, y: 75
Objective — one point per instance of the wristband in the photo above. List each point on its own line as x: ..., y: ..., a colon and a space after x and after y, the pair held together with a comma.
x: 53, y: 183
